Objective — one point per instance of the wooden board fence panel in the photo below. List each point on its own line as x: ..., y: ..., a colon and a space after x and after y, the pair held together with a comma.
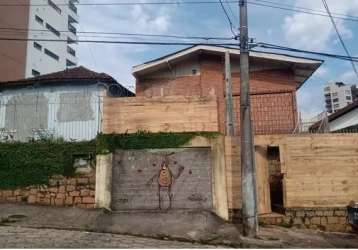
x: 321, y: 170
x: 167, y: 114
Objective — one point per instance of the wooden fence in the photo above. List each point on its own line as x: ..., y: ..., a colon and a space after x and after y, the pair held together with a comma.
x: 319, y: 170
x: 164, y: 114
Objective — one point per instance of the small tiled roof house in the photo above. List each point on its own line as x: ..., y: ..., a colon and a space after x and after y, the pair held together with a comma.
x: 65, y: 104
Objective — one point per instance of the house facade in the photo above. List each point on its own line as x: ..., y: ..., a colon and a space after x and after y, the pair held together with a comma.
x: 65, y: 104
x: 199, y: 71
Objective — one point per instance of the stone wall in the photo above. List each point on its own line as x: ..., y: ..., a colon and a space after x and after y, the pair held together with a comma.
x: 74, y: 191
x: 330, y: 219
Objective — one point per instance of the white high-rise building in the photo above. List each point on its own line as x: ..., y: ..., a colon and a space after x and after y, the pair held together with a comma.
x: 33, y: 21
x: 337, y: 95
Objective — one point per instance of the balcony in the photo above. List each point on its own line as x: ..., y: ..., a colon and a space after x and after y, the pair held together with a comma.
x: 72, y: 29
x: 71, y: 51
x: 72, y: 6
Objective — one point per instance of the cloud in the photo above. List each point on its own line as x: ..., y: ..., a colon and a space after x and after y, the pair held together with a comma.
x: 117, y: 60
x: 316, y: 32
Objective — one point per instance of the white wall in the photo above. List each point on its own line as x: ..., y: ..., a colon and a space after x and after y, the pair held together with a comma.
x: 69, y: 130
x: 38, y: 60
x: 347, y: 120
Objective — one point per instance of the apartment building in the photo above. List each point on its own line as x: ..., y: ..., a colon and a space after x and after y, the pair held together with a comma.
x: 27, y: 23
x: 338, y: 95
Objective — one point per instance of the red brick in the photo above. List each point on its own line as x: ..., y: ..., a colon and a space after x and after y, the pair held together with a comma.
x: 74, y: 193
x: 60, y: 196
x: 88, y: 200
x: 62, y: 189
x: 77, y: 200
x: 82, y: 181
x: 85, y: 192
x: 7, y: 193
x: 59, y: 201
x: 69, y: 200
x: 31, y: 199
x: 70, y: 188
x: 273, y: 99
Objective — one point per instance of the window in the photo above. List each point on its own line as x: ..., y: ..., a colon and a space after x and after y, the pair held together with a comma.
x: 327, y: 89
x: 54, y: 6
x: 53, y: 30
x: 335, y: 100
x: 72, y: 6
x: 39, y: 20
x: 35, y: 73
x: 348, y: 98
x: 348, y: 92
x: 72, y: 29
x: 70, y: 63
x: 51, y: 54
x: 335, y: 94
x: 71, y: 51
x: 37, y: 46
x: 336, y: 106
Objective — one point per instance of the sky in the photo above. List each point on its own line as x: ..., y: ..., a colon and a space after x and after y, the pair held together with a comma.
x: 293, y: 29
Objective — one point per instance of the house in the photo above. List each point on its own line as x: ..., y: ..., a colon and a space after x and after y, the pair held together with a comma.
x: 65, y: 104
x: 343, y: 120
x: 199, y: 71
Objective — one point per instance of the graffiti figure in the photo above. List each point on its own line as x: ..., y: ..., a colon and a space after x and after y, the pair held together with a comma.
x: 165, y: 180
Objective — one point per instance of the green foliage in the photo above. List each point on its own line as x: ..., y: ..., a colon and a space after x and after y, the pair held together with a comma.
x: 32, y: 163
x: 25, y: 164
x: 143, y: 139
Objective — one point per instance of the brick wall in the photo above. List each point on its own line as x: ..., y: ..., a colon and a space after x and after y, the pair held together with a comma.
x: 76, y: 191
x: 274, y: 108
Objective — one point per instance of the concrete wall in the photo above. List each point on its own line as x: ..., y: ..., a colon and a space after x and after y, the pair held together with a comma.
x: 70, y: 112
x: 272, y: 89
x: 141, y: 181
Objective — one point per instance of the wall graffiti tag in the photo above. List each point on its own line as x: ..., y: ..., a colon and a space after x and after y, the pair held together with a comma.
x: 165, y: 179
x: 161, y: 180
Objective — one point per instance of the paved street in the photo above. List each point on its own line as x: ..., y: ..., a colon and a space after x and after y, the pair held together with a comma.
x: 16, y: 237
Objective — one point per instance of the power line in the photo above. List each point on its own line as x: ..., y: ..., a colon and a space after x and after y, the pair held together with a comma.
x: 340, y: 37
x: 261, y: 45
x: 115, y: 42
x: 228, y: 18
x: 125, y: 3
x: 283, y: 48
x: 303, y: 10
x: 123, y: 34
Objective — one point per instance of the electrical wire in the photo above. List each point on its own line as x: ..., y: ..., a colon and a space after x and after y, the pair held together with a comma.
x: 340, y: 37
x: 229, y: 19
x: 115, y: 42
x: 323, y: 54
x: 123, y: 34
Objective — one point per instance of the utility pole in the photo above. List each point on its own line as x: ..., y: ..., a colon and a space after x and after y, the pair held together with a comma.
x: 230, y: 125
x: 248, y: 176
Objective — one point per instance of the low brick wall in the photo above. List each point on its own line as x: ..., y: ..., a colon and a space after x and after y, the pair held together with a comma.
x: 75, y: 191
x: 325, y: 219
x: 330, y: 219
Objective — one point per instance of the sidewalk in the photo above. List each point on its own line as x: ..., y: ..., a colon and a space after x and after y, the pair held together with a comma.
x: 186, y: 226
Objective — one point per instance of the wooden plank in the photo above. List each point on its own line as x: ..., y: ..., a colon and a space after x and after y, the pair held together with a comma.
x: 169, y: 114
x: 262, y: 180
